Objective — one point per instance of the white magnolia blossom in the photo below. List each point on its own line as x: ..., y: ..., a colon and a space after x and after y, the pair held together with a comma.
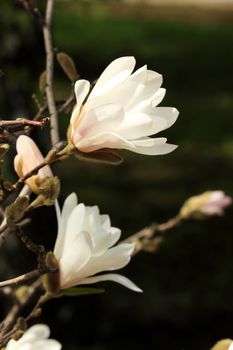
x: 231, y: 346
x: 29, y: 157
x: 121, y: 111
x: 84, y: 246
x: 35, y: 338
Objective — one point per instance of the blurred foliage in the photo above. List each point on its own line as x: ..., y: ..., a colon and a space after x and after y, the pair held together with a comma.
x: 188, y: 284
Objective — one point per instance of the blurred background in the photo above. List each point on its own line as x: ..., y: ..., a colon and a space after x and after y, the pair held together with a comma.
x: 188, y: 283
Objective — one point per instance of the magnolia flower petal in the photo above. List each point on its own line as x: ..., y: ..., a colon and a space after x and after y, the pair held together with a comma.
x: 150, y: 89
x: 158, y: 97
x: 101, y: 118
x: 107, y: 139
x: 112, y: 277
x: 103, y: 241
x: 48, y: 344
x: 81, y: 90
x: 74, y: 258
x: 113, y: 259
x: 116, y: 72
x: 62, y: 218
x: 170, y: 114
x: 139, y: 75
x: 74, y: 224
x: 152, y: 146
x: 40, y: 331
x: 140, y: 125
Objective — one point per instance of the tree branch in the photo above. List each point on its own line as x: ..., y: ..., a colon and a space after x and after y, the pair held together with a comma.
x: 49, y: 72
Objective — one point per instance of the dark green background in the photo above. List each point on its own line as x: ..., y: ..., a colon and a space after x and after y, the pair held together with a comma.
x: 188, y: 284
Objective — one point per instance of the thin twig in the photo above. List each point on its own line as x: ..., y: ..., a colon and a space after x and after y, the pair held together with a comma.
x: 148, y: 236
x: 24, y: 122
x: 22, y: 278
x: 49, y: 72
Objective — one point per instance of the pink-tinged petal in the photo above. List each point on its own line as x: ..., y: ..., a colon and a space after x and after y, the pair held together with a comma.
x: 30, y: 157
x: 117, y: 72
x: 112, y: 277
x: 81, y: 90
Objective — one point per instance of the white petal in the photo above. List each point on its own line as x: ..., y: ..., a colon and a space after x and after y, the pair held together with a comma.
x: 75, y: 257
x: 170, y: 114
x: 62, y: 218
x: 48, y: 344
x: 117, y: 72
x: 112, y: 277
x: 139, y: 75
x: 81, y: 90
x: 113, y: 259
x: 158, y: 97
x: 74, y: 225
x: 102, y: 118
x: 105, y: 139
x: 138, y: 125
x: 38, y: 331
x: 151, y: 146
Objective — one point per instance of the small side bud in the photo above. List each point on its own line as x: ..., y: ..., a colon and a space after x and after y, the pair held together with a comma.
x: 51, y: 280
x: 4, y: 147
x: 224, y: 344
x: 42, y: 82
x: 16, y: 210
x: 49, y: 188
x: 207, y: 204
x: 68, y: 66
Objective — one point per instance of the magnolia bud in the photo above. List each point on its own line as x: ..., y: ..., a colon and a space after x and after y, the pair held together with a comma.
x: 51, y: 280
x: 16, y: 210
x: 210, y: 203
x: 68, y: 66
x: 224, y: 344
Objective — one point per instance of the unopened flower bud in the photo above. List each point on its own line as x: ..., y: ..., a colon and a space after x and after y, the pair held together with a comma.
x: 28, y: 158
x: 51, y: 280
x: 68, y: 66
x: 210, y: 203
x: 224, y: 344
x: 16, y: 210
